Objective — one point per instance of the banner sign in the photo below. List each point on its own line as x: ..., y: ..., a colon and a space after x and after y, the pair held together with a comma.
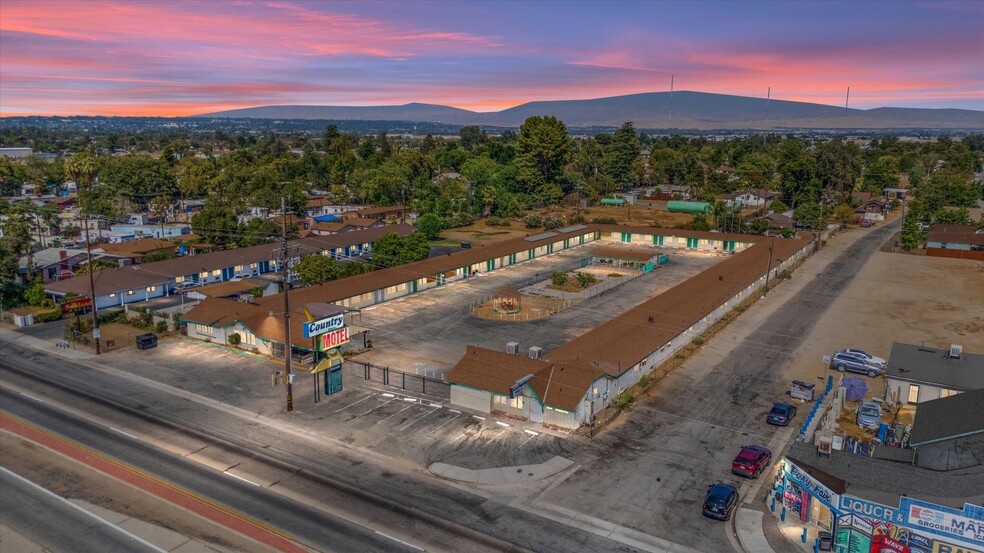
x: 334, y: 338
x: 938, y: 521
x: 816, y: 489
x: 885, y: 544
x: 871, y: 510
x: 319, y: 327
x: 75, y: 304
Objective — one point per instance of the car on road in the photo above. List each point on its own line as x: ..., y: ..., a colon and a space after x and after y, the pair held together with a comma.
x: 781, y: 414
x: 869, y: 414
x: 751, y: 461
x: 850, y: 362
x: 720, y: 501
x: 872, y: 359
x: 240, y: 276
x: 865, y: 223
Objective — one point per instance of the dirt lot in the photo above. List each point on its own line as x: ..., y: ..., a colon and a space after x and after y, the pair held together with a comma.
x: 903, y: 298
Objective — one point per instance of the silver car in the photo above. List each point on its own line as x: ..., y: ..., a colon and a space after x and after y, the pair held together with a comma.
x: 869, y: 414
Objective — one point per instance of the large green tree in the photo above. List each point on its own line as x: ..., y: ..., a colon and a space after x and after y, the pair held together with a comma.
x: 542, y: 149
x: 620, y: 154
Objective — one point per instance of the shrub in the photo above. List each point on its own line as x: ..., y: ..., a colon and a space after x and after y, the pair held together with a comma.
x: 235, y: 339
x: 48, y: 316
x: 623, y: 402
x: 559, y: 279
x: 575, y: 219
x: 697, y: 341
x: 161, y: 327
x: 646, y: 380
x: 257, y: 292
x: 498, y: 222
x: 460, y: 219
x: 604, y: 221
x: 533, y: 221
x: 550, y: 222
x: 586, y: 279
x: 110, y: 317
x: 784, y: 275
x: 615, y: 275
x: 740, y: 308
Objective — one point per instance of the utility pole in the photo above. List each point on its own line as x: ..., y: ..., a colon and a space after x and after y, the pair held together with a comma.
x: 92, y: 281
x: 769, y: 269
x: 820, y: 224
x: 285, y: 254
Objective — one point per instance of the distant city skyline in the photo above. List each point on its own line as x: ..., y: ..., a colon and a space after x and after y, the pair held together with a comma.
x: 177, y: 58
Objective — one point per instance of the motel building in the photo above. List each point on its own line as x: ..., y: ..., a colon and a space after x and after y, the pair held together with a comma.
x: 319, y: 333
x: 807, y: 499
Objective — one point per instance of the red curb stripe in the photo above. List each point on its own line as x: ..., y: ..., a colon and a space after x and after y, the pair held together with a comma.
x: 168, y: 492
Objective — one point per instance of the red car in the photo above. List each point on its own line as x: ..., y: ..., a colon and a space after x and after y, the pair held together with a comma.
x: 865, y: 223
x: 752, y: 461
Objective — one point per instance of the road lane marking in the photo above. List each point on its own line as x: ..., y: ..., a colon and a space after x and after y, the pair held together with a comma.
x: 531, y: 433
x: 82, y: 510
x: 388, y: 395
x: 241, y: 478
x: 502, y: 424
x: 387, y: 536
x: 32, y: 397
x: 124, y: 433
x: 455, y: 411
x: 413, y: 399
x: 476, y: 417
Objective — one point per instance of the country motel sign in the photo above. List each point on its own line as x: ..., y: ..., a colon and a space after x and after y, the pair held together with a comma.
x: 327, y: 334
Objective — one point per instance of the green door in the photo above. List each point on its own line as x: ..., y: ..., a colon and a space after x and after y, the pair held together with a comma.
x: 333, y: 380
x: 490, y: 265
x: 512, y: 259
x: 626, y: 237
x: 692, y: 243
x: 658, y: 239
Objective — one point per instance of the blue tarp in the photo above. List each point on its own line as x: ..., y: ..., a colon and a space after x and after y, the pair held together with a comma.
x: 327, y: 218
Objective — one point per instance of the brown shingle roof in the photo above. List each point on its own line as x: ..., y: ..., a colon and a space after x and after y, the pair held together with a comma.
x: 494, y: 371
x: 136, y: 247
x: 159, y: 272
x: 219, y: 312
x: 955, y: 234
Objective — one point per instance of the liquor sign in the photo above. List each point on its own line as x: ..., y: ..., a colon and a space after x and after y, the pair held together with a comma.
x: 319, y: 327
x: 875, y: 511
x: 334, y: 338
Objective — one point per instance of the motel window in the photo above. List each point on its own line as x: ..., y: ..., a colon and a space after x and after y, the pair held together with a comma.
x: 247, y: 338
x: 179, y: 279
x: 203, y: 329
x: 216, y: 272
x: 203, y: 274
x: 151, y: 288
x: 129, y: 292
x: 252, y: 265
x: 515, y: 403
x: 112, y: 295
x: 239, y: 268
x: 913, y: 393
x: 947, y: 393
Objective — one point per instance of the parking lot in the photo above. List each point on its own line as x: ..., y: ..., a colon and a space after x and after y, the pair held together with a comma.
x: 427, y: 333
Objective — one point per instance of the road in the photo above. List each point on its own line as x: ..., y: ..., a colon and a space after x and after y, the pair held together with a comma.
x: 657, y: 464
x: 326, y: 498
x: 58, y: 525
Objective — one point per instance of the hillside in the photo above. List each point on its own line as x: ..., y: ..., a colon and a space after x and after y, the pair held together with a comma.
x: 690, y: 110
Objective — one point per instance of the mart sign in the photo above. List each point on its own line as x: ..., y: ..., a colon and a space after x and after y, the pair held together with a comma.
x: 334, y: 338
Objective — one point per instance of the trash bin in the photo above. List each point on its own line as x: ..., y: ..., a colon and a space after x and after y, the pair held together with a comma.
x: 802, y: 390
x: 826, y: 540
x: 146, y: 341
x: 465, y: 245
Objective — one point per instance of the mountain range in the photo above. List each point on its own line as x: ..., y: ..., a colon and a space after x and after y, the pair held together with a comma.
x: 652, y: 110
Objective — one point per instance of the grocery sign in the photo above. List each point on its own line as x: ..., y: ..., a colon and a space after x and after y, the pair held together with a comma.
x: 937, y: 521
x: 334, y: 338
x: 321, y: 326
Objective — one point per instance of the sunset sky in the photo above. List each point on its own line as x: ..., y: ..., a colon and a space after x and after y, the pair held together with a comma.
x: 172, y: 58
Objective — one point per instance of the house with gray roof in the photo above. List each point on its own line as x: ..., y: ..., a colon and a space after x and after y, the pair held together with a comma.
x: 922, y: 373
x: 948, y: 433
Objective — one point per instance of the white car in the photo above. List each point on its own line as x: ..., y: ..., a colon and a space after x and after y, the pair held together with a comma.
x: 239, y: 276
x: 186, y: 284
x: 872, y: 359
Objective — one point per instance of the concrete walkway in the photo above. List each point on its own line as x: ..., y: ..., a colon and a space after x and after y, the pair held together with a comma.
x: 46, y: 346
x: 518, y: 474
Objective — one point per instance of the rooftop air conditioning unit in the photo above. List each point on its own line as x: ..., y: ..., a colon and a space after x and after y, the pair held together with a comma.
x: 536, y: 353
x: 513, y: 348
x: 955, y: 351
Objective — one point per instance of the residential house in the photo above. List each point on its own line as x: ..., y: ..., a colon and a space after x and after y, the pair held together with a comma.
x: 326, y: 228
x: 921, y: 373
x: 873, y: 209
x: 896, y: 193
x: 753, y: 197
x: 393, y: 213
x: 959, y: 241
x: 54, y: 263
x: 133, y: 251
x: 155, y: 231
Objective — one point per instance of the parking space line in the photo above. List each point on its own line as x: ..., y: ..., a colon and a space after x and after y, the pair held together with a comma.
x: 394, y: 414
x: 445, y: 424
x: 351, y: 404
x: 526, y: 440
x: 416, y: 420
x: 373, y: 409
